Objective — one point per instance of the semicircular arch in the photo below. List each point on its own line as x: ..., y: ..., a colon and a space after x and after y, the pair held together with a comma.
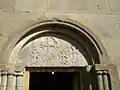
x: 69, y: 34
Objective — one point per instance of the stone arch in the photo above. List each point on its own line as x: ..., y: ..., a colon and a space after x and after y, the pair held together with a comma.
x: 61, y: 29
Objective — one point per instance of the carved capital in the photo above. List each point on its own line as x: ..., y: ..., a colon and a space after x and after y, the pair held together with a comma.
x: 19, y: 73
x: 4, y: 72
x: 99, y: 72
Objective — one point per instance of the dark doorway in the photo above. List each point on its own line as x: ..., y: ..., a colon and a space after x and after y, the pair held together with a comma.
x: 54, y: 81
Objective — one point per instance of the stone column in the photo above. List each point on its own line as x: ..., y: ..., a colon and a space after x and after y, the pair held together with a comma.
x: 11, y: 81
x: 110, y: 76
x: 3, y: 80
x: 105, y: 80
x: 100, y: 80
x: 19, y: 81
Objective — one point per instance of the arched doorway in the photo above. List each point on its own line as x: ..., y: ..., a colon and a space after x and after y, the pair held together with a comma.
x: 55, y: 45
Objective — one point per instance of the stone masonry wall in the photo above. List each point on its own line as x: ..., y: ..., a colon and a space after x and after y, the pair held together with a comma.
x: 101, y: 15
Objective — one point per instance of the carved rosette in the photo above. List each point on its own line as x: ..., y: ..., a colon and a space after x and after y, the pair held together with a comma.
x: 51, y: 51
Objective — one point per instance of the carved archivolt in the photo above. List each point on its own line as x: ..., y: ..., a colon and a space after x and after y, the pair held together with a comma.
x: 54, y: 44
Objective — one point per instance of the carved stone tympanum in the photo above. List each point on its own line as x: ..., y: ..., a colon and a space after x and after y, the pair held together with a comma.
x: 52, y: 51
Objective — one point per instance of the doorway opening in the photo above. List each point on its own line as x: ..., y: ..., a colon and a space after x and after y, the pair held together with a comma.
x: 56, y: 79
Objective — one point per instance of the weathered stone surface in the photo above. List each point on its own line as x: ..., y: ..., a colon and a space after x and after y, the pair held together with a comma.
x: 78, y: 6
x: 11, y: 22
x: 3, y: 40
x: 115, y: 80
x: 15, y: 14
x: 7, y: 5
x: 11, y: 83
x: 108, y: 33
x: 109, y: 36
x: 4, y: 80
x: 114, y: 6
x: 30, y: 5
x: 51, y: 51
x: 110, y: 73
x: 19, y: 81
x: 105, y: 27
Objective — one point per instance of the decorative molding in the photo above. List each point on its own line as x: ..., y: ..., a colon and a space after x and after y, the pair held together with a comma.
x: 69, y: 28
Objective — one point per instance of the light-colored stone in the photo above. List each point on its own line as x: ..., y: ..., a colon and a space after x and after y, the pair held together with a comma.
x: 52, y: 51
x: 30, y: 5
x: 100, y: 80
x: 11, y: 22
x: 7, y: 5
x: 114, y: 6
x: 11, y: 83
x: 3, y: 40
x: 105, y: 27
x: 110, y: 35
x: 102, y: 17
x: 81, y: 6
x: 4, y: 80
x: 19, y: 81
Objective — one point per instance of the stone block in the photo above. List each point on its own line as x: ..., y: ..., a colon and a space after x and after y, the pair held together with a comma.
x: 30, y: 5
x: 108, y: 34
x: 7, y: 5
x: 79, y: 6
x: 115, y: 6
x: 3, y: 40
x: 11, y: 22
x: 105, y: 27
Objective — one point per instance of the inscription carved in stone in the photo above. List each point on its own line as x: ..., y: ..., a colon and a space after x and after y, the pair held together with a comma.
x: 51, y: 51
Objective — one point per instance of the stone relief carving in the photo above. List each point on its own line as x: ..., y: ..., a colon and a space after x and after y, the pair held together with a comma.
x: 51, y: 51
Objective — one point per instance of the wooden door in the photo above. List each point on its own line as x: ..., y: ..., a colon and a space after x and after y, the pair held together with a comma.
x: 26, y: 80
